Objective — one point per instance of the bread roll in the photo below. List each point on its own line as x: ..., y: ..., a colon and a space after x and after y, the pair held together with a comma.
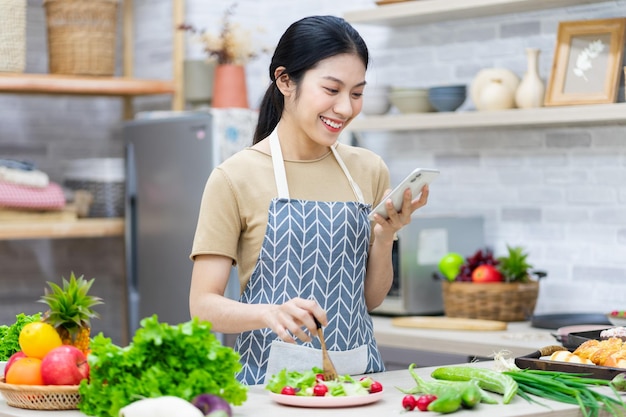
x: 566, y: 356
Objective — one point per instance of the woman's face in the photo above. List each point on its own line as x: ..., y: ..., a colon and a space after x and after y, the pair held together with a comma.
x: 327, y: 99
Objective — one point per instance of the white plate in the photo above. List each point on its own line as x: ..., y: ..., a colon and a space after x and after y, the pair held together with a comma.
x: 326, y: 402
x: 485, y: 76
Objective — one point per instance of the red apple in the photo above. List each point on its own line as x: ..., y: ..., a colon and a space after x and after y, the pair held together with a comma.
x: 64, y: 365
x: 486, y: 273
x: 13, y: 358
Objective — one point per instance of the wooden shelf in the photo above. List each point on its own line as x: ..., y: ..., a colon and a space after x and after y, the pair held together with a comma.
x: 544, y: 116
x: 86, y: 86
x: 427, y: 11
x: 82, y: 228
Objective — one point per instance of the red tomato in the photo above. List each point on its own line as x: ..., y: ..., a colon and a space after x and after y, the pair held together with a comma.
x: 320, y: 390
x: 486, y: 273
x: 288, y: 391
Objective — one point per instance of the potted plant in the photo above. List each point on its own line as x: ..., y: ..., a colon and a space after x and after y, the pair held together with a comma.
x: 228, y: 51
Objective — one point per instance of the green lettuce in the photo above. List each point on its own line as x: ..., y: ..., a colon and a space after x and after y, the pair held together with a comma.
x: 9, y: 335
x: 182, y: 360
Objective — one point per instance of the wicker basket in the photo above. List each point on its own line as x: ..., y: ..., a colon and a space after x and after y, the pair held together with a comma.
x: 490, y: 301
x: 41, y: 397
x: 12, y: 35
x: 81, y: 36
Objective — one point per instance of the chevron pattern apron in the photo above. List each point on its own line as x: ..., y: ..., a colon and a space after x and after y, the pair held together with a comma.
x: 313, y: 250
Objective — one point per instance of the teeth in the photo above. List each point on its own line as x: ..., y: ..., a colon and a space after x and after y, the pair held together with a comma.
x: 331, y: 123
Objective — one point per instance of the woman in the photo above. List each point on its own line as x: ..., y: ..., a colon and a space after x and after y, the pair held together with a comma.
x: 291, y: 212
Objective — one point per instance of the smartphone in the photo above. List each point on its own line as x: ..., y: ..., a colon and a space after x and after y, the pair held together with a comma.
x: 415, y: 181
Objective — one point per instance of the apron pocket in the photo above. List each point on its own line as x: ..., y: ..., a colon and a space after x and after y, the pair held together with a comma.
x: 302, y: 358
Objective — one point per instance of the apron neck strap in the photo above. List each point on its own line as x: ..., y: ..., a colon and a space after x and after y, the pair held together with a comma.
x: 280, y: 175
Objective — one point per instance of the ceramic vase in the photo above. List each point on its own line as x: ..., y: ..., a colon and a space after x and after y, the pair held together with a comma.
x: 531, y: 90
x: 229, y: 87
x: 199, y: 75
x: 496, y: 96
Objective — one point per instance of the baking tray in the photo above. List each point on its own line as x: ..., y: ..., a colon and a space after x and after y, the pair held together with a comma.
x: 534, y: 361
x: 575, y: 339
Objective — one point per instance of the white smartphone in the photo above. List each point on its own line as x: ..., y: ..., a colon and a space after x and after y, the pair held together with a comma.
x: 415, y: 181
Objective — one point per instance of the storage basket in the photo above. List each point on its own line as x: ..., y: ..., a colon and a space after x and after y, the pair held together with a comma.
x: 81, y: 36
x: 104, y: 179
x: 490, y: 301
x: 40, y: 397
x: 12, y: 35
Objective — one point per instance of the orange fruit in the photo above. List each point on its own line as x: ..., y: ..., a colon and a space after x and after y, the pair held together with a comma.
x: 38, y: 338
x: 26, y: 371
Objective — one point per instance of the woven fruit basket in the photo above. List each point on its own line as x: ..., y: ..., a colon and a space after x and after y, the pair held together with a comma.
x: 40, y: 397
x: 490, y: 301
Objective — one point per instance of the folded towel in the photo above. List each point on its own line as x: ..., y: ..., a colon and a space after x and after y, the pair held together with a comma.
x: 32, y: 178
x: 50, y: 197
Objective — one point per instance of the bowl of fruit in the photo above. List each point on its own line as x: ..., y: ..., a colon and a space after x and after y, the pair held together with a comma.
x: 617, y: 318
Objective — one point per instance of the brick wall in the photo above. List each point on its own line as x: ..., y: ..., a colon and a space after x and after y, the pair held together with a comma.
x: 559, y: 192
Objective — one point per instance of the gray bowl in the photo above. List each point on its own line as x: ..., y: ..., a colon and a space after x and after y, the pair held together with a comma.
x: 447, y: 98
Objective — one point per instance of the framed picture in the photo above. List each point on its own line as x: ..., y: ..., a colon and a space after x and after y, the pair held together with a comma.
x: 587, y: 62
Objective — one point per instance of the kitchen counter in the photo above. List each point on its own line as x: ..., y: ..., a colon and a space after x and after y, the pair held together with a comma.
x: 260, y: 405
x: 519, y: 339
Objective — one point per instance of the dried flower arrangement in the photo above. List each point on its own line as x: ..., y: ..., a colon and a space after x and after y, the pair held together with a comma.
x: 233, y: 45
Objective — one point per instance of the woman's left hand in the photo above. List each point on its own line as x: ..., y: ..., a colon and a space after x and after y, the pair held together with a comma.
x: 396, y: 220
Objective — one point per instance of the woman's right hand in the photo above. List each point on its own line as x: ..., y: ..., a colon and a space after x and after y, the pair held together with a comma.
x: 289, y: 320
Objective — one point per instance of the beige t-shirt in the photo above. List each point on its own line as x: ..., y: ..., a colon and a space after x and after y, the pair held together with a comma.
x: 234, y: 209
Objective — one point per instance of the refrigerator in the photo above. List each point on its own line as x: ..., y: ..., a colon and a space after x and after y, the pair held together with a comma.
x: 169, y: 156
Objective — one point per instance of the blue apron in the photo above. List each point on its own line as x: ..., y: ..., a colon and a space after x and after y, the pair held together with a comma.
x: 313, y: 250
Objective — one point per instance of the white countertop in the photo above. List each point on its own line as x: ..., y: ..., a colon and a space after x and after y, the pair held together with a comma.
x: 519, y: 338
x: 259, y: 404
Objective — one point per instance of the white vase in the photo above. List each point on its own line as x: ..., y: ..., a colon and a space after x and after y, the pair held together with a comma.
x: 531, y: 90
x: 496, y: 96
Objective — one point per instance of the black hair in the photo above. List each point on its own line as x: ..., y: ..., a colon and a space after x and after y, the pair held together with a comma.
x: 303, y: 45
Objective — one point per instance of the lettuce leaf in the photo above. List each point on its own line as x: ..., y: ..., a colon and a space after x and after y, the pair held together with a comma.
x: 9, y: 335
x: 182, y: 360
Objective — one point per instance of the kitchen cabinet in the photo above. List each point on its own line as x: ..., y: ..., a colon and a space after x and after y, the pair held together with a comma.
x: 126, y: 88
x: 420, y: 12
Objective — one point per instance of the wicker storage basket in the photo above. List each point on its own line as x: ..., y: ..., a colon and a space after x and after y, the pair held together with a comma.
x: 81, y: 36
x: 490, y: 301
x: 40, y: 397
x: 12, y: 35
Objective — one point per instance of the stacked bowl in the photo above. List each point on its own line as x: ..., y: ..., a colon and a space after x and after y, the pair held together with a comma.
x: 447, y: 98
x: 376, y: 100
x: 410, y: 100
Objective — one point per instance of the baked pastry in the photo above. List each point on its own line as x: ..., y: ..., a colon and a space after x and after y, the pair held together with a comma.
x: 567, y: 356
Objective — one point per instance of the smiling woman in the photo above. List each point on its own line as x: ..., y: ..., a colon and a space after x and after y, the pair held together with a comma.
x: 308, y: 190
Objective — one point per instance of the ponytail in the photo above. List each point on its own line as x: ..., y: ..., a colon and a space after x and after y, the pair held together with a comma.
x: 270, y: 112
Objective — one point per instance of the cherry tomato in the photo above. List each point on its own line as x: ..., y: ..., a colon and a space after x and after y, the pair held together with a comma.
x: 320, y: 390
x: 288, y: 391
x: 376, y: 387
x: 319, y: 377
x: 409, y: 402
x: 423, y: 401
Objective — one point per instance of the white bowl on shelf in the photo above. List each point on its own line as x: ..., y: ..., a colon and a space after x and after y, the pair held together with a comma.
x: 376, y: 100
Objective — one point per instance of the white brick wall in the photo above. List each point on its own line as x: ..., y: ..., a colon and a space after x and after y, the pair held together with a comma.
x: 560, y: 192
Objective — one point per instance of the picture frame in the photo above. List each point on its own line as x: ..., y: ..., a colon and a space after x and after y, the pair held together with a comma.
x: 587, y: 63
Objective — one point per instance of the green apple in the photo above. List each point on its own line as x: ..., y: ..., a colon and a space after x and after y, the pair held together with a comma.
x: 450, y: 265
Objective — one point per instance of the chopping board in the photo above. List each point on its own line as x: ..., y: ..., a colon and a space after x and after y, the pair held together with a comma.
x: 448, y: 323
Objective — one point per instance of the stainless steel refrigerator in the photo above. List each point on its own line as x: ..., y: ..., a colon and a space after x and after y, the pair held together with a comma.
x: 169, y: 157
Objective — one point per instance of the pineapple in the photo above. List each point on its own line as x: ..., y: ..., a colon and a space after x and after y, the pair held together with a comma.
x: 70, y: 310
x: 514, y: 267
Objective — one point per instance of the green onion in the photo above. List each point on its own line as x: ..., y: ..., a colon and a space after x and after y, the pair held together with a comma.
x: 570, y: 388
